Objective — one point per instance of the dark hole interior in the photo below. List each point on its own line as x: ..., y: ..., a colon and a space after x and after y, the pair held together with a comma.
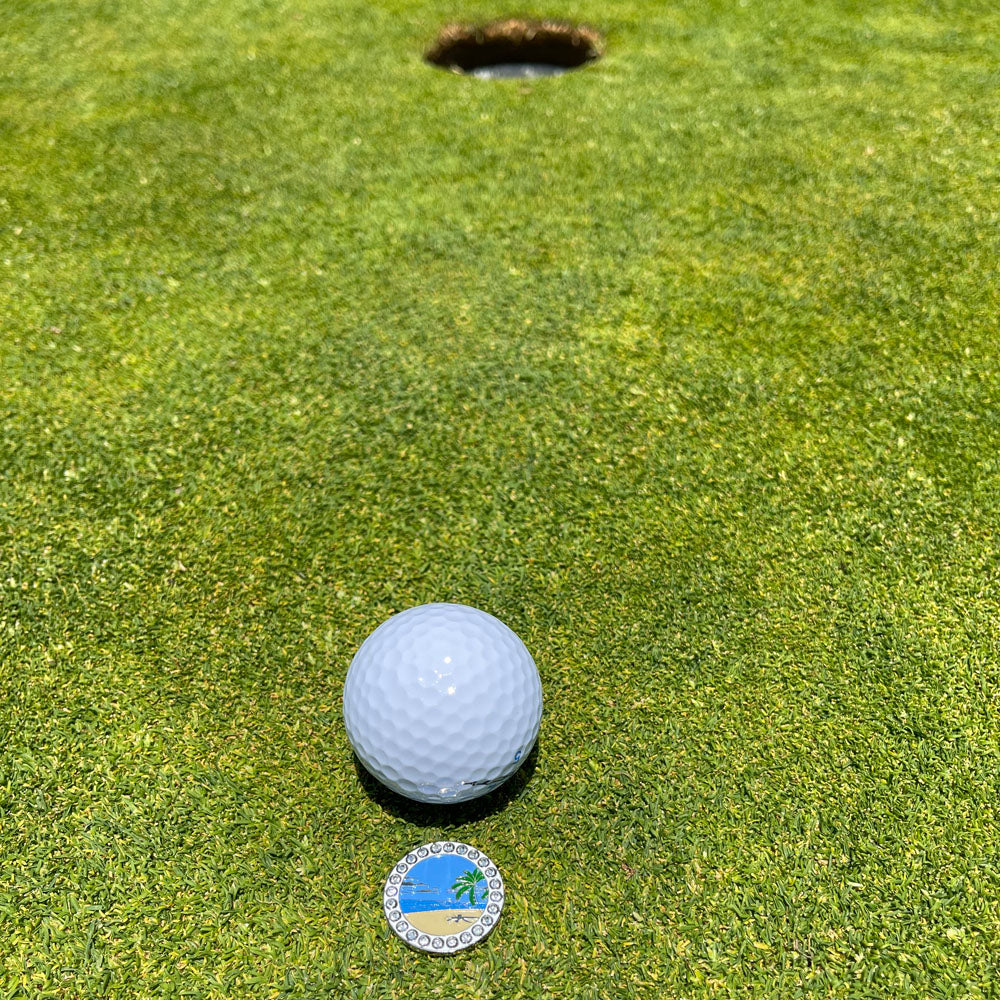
x: 468, y: 49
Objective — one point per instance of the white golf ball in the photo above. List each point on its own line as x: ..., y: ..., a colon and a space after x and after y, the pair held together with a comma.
x: 442, y: 703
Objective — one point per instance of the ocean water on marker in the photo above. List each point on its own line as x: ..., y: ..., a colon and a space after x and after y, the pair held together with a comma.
x: 432, y: 884
x: 517, y: 71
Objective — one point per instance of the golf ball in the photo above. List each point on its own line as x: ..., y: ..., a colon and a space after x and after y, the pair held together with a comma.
x: 442, y: 703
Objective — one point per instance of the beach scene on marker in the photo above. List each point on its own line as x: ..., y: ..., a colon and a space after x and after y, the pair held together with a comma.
x: 443, y: 895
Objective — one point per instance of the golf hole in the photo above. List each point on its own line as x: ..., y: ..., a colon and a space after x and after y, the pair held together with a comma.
x: 514, y: 49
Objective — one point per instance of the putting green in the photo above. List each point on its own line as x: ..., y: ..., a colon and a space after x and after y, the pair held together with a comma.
x: 684, y: 365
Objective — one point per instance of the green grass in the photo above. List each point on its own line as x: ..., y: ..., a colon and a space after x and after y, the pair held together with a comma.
x: 684, y: 365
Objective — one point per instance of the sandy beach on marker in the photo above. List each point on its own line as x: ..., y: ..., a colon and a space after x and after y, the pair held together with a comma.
x: 440, y: 921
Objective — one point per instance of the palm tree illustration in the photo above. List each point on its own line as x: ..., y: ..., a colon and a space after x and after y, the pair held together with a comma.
x: 467, y: 883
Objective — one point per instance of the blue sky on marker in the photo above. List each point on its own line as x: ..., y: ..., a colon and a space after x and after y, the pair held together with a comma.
x: 427, y: 885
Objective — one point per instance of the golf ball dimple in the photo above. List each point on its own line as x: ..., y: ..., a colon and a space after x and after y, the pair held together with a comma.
x: 442, y: 703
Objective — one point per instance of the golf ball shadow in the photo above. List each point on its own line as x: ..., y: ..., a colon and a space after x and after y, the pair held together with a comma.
x: 449, y: 814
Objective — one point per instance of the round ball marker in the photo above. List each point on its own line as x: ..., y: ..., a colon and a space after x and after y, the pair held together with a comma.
x: 443, y: 897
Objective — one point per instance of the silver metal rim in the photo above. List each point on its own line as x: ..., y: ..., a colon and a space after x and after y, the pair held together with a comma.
x: 468, y: 936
